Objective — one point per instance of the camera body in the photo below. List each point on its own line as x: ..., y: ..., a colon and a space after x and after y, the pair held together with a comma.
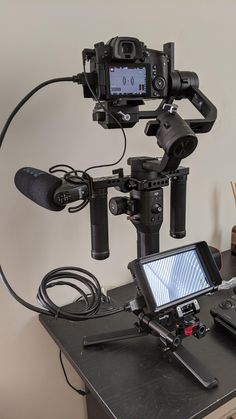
x: 125, y: 68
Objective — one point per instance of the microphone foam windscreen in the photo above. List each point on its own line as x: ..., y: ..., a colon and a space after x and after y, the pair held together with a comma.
x: 38, y: 186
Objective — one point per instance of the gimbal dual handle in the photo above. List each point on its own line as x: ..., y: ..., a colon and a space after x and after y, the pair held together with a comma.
x: 99, y: 224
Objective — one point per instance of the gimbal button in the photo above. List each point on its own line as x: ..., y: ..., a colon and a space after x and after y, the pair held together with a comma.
x: 156, y: 208
x: 226, y: 305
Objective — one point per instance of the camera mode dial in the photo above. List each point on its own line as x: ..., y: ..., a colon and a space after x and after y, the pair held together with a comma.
x: 159, y: 83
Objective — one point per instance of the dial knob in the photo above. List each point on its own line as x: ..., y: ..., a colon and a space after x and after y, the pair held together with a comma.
x: 118, y: 205
x: 156, y: 208
x: 159, y: 83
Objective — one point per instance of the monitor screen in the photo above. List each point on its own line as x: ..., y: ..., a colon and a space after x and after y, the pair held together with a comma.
x: 126, y: 80
x: 174, y: 277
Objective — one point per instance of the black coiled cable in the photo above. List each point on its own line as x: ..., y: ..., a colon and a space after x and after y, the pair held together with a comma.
x: 62, y: 276
x: 85, y: 283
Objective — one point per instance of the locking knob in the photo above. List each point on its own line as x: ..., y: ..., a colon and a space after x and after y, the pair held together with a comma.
x: 118, y: 205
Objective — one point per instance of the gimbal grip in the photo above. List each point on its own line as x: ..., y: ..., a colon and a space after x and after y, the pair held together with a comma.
x: 178, y: 207
x: 99, y: 224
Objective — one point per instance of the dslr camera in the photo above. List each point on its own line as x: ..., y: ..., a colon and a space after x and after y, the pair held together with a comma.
x: 125, y: 68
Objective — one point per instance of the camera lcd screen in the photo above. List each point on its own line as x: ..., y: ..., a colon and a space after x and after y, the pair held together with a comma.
x: 126, y: 81
x: 174, y: 277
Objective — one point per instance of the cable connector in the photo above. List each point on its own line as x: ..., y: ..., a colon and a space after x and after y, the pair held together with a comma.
x: 81, y: 78
x: 78, y: 78
x: 137, y: 304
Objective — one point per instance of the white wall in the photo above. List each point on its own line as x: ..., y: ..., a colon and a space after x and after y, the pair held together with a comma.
x: 44, y: 39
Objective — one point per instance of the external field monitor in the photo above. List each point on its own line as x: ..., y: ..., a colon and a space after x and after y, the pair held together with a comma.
x: 169, y: 278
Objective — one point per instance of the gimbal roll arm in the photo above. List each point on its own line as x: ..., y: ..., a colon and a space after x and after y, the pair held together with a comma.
x: 175, y: 134
x: 185, y: 84
x: 196, y: 98
x: 205, y: 107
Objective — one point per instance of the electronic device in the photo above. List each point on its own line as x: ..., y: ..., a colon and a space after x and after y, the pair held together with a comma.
x: 115, y: 68
x: 224, y: 314
x: 170, y: 278
x: 123, y: 74
x: 168, y: 284
x: 125, y: 67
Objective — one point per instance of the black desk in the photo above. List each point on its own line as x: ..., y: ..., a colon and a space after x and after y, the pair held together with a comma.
x: 132, y: 379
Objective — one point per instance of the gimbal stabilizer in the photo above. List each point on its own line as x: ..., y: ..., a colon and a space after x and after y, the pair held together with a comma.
x: 124, y: 73
x: 148, y: 175
x: 145, y: 204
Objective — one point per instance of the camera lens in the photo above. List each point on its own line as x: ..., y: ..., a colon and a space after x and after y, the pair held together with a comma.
x: 127, y: 47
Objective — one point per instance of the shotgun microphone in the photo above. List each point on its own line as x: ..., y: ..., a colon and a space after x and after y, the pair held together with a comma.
x: 54, y: 193
x: 47, y: 190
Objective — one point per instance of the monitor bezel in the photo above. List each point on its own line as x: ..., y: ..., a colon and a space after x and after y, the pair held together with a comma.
x: 208, y: 264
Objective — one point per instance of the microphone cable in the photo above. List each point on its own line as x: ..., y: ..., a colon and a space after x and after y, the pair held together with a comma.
x: 112, y: 116
x: 74, y: 79
x: 62, y: 276
x: 28, y: 96
x: 72, y: 176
